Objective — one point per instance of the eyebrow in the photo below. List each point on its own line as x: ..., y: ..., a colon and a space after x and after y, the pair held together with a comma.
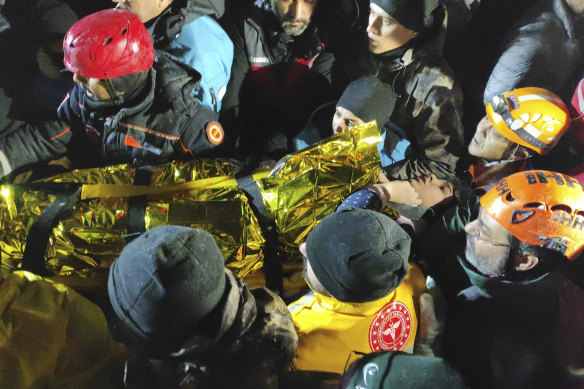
x: 482, y: 224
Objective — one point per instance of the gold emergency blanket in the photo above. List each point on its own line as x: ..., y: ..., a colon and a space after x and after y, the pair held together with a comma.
x: 312, y: 183
x: 201, y: 194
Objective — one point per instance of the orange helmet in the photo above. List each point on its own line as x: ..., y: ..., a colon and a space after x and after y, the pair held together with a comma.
x: 531, y: 117
x: 540, y: 208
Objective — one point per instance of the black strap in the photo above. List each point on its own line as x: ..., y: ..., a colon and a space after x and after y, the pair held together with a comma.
x: 272, y: 262
x: 37, y: 239
x: 137, y: 205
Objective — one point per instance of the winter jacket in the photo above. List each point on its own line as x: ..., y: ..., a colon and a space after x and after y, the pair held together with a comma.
x: 502, y: 334
x: 52, y: 337
x: 187, y: 31
x: 271, y: 72
x: 259, y: 42
x: 428, y: 110
x: 332, y: 334
x: 165, y: 123
x: 254, y: 341
x: 546, y: 50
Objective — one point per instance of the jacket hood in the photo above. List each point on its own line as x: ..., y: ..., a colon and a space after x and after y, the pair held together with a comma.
x: 164, y: 28
x: 196, y: 8
x: 524, y: 292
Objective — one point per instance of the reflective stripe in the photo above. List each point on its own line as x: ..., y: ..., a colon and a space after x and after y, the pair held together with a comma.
x: 553, y: 99
x: 301, y: 302
x: 5, y: 164
x: 580, y: 98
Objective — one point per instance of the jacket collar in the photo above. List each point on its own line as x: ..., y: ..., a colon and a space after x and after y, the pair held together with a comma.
x: 363, y: 309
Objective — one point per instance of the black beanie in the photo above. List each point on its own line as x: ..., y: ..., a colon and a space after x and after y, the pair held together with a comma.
x: 408, y: 13
x: 394, y: 369
x: 369, y: 99
x: 164, y: 283
x: 358, y: 255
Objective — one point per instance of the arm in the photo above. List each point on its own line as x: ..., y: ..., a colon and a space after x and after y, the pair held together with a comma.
x: 438, y: 130
x: 26, y: 144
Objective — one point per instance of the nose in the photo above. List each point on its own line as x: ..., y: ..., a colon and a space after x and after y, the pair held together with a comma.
x: 78, y: 78
x: 470, y: 227
x: 373, y: 25
x: 340, y: 127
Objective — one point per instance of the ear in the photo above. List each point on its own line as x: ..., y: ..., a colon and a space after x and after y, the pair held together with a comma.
x: 525, y: 262
x: 520, y: 154
x: 302, y: 249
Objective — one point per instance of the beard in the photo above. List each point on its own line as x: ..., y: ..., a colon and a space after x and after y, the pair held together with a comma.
x: 486, y: 265
x: 295, y: 27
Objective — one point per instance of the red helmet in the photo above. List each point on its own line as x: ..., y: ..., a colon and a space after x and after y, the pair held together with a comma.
x: 108, y: 44
x: 540, y: 208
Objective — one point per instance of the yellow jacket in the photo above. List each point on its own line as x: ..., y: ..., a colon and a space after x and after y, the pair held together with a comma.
x: 332, y: 334
x: 52, y: 337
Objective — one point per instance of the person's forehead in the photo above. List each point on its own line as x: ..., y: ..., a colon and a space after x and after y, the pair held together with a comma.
x: 489, y: 223
x: 377, y: 10
x: 345, y: 113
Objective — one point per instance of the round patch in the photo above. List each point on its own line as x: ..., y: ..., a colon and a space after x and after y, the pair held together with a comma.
x: 391, y: 328
x: 215, y: 133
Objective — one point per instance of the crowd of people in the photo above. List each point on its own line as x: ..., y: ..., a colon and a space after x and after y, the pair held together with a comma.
x: 459, y: 268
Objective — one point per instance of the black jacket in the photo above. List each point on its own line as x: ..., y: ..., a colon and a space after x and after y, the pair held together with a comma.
x: 165, y: 123
x: 546, y: 50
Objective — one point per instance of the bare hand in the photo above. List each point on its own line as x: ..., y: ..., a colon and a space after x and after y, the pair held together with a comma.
x: 399, y: 192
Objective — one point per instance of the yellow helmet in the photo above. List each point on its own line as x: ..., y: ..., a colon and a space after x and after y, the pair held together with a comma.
x: 531, y: 117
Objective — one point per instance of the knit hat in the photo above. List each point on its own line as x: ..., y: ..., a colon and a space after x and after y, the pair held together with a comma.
x: 393, y: 369
x: 408, y: 13
x: 164, y: 283
x: 369, y: 99
x: 358, y: 255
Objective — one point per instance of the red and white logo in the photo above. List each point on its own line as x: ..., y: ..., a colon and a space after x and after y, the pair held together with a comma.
x: 391, y: 328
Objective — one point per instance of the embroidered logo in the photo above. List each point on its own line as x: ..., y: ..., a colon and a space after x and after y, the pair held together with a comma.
x: 391, y: 328
x: 215, y: 133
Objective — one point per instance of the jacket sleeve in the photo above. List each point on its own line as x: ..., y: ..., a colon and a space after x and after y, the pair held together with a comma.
x: 438, y: 130
x: 25, y: 144
x: 239, y: 69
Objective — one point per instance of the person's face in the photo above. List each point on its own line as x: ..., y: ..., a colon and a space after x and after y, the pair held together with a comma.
x: 488, y: 143
x: 94, y: 87
x: 344, y: 119
x: 144, y: 9
x: 487, y: 245
x: 432, y: 190
x: 294, y: 14
x: 384, y: 32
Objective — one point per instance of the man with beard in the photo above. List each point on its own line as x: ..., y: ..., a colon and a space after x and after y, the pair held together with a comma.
x: 127, y: 106
x: 516, y: 326
x: 281, y: 72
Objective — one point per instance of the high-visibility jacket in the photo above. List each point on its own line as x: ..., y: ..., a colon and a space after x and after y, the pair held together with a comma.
x: 332, y: 334
x: 52, y: 337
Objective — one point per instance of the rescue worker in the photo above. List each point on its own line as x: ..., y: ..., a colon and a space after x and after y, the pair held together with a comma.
x: 516, y: 325
x: 54, y: 338
x: 192, y: 322
x: 518, y: 124
x: 281, y: 73
x: 127, y: 105
x: 364, y: 292
x: 187, y: 30
x: 405, y: 54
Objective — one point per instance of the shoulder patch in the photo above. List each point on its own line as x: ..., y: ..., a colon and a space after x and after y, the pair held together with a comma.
x: 215, y: 133
x: 391, y: 329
